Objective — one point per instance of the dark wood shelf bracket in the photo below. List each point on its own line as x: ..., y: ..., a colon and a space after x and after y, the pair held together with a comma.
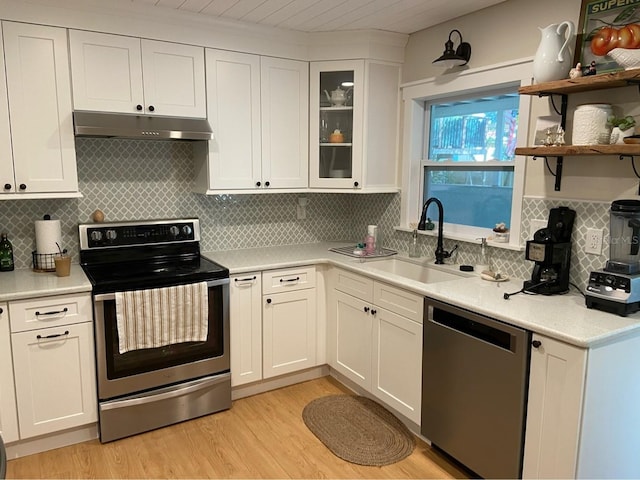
x: 558, y: 173
x: 633, y: 165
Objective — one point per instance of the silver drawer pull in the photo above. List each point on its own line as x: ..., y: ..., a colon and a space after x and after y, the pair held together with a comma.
x: 290, y: 280
x: 55, y: 335
x: 248, y: 279
x: 64, y: 310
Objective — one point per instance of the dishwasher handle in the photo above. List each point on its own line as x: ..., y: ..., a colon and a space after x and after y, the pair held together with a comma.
x: 476, y: 326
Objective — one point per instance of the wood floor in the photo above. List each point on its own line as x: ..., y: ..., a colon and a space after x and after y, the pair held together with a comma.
x: 259, y: 437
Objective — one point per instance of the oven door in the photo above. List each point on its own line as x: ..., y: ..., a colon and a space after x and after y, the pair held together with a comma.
x: 144, y: 369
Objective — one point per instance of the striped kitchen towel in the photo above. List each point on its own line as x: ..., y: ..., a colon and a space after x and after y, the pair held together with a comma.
x: 162, y: 316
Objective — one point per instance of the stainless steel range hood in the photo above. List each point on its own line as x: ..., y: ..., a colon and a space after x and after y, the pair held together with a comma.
x: 116, y: 125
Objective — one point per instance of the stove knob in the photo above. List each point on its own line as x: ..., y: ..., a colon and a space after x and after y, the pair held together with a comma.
x: 174, y: 231
x: 96, y: 235
x: 187, y: 230
x: 111, y: 235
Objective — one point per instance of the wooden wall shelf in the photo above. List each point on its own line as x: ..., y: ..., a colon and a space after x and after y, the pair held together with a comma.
x: 584, y: 84
x: 543, y: 151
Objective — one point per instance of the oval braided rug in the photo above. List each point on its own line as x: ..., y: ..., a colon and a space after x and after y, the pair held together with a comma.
x: 358, y: 430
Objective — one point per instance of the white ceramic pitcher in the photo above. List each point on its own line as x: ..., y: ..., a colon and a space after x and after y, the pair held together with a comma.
x: 554, y: 55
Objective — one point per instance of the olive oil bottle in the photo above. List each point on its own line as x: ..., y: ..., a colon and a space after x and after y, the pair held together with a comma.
x: 6, y: 254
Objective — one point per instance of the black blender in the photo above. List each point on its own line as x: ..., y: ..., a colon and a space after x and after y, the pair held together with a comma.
x: 550, y: 249
x: 616, y: 288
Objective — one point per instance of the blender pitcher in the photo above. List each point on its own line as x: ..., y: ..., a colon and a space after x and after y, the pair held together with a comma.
x: 624, y: 243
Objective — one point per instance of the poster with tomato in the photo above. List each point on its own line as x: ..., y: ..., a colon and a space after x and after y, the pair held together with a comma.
x: 605, y: 25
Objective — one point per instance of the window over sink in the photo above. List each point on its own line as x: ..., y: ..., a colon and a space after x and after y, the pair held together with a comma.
x: 462, y: 131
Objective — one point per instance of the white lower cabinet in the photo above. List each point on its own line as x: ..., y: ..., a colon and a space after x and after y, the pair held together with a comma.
x: 273, y: 323
x: 54, y: 363
x: 397, y: 362
x: 8, y: 412
x: 554, y: 411
x: 351, y: 340
x: 246, y: 328
x: 288, y: 320
x: 375, y: 339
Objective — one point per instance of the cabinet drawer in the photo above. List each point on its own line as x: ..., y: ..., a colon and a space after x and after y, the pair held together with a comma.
x: 45, y: 312
x: 288, y: 280
x: 353, y: 284
x: 397, y: 300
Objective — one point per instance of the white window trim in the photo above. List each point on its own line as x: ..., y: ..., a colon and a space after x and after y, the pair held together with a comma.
x: 416, y: 94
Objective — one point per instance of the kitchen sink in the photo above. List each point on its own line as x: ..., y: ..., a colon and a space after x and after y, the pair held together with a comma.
x: 419, y: 272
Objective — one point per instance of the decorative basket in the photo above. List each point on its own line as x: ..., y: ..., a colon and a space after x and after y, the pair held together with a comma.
x: 45, y: 262
x: 627, y: 58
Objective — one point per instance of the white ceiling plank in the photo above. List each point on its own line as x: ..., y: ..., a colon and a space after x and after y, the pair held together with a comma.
x: 175, y: 4
x: 195, y: 5
x: 292, y: 8
x: 219, y: 7
x: 258, y: 14
x: 324, y: 10
x: 400, y: 16
x: 373, y: 9
x: 242, y: 8
x: 347, y: 6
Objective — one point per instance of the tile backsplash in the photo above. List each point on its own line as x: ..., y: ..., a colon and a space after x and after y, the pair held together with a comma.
x: 141, y: 179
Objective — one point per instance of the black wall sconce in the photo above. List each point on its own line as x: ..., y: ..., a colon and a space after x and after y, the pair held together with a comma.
x: 454, y: 58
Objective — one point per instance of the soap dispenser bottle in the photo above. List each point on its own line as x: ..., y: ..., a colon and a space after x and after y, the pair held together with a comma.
x: 414, y: 251
x: 484, y: 262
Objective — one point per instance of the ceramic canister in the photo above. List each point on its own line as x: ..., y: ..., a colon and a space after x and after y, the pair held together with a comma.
x: 590, y: 124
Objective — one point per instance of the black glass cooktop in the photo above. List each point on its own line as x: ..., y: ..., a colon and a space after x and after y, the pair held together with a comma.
x: 136, y: 275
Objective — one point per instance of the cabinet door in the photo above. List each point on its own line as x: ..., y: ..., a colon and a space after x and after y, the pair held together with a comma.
x: 7, y: 179
x: 353, y: 338
x: 397, y: 362
x: 289, y: 326
x: 8, y: 413
x: 39, y: 88
x: 106, y: 71
x: 285, y: 122
x: 554, y: 412
x: 336, y: 124
x: 173, y: 79
x: 233, y: 105
x: 55, y: 378
x: 246, y: 328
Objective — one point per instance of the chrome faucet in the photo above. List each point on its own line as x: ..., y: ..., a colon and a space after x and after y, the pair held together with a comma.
x: 440, y: 253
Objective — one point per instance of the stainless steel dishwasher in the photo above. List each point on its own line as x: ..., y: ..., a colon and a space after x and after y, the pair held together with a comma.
x: 475, y: 376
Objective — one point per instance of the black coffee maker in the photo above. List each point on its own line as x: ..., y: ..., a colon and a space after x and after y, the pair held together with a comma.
x: 550, y: 249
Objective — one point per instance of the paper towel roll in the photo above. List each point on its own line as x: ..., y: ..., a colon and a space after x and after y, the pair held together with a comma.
x: 47, y: 235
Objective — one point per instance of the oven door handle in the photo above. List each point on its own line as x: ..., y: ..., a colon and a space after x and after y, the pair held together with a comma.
x: 166, y: 393
x: 102, y: 297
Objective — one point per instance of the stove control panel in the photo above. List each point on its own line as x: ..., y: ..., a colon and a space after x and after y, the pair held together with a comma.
x: 126, y: 234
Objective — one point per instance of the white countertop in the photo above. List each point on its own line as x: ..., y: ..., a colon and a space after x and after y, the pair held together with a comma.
x: 26, y: 283
x: 564, y: 317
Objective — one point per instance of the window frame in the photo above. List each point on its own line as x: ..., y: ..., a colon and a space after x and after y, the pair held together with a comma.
x: 417, y: 96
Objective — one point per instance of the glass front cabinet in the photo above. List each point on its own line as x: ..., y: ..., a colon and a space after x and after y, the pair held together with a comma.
x: 339, y: 96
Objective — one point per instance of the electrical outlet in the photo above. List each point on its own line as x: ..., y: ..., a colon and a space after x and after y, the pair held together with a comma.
x: 593, y: 241
x: 535, y: 226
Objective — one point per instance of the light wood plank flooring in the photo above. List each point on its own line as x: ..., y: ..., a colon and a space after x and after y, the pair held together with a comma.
x: 262, y: 436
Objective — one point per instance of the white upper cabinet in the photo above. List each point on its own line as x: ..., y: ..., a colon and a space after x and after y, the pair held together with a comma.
x: 285, y: 122
x: 39, y: 100
x: 233, y: 97
x: 258, y: 110
x: 6, y: 153
x: 114, y: 73
x: 354, y: 121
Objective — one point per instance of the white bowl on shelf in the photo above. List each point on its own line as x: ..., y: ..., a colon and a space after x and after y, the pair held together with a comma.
x: 627, y: 58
